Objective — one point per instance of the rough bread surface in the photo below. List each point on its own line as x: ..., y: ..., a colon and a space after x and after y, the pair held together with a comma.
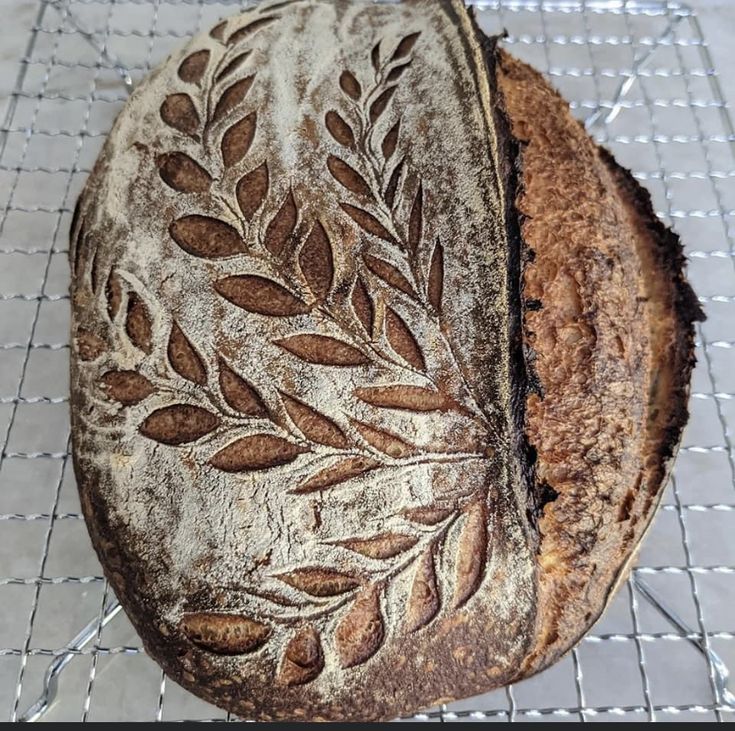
x: 330, y: 333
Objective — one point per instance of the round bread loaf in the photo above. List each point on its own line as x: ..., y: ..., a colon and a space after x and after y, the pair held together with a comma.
x: 378, y: 365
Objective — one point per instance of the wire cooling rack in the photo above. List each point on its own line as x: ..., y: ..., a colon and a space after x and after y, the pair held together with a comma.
x: 641, y: 76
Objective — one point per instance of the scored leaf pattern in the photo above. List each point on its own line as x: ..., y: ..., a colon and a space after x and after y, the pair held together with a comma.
x: 247, y: 427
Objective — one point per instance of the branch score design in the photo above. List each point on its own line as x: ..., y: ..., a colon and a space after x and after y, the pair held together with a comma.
x: 396, y: 265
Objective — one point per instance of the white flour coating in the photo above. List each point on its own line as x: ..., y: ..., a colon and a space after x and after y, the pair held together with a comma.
x: 216, y: 530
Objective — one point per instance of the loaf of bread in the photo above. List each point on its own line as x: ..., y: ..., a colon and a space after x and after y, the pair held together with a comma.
x: 379, y: 363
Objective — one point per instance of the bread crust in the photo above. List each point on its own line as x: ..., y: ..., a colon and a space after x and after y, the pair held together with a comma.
x: 277, y: 589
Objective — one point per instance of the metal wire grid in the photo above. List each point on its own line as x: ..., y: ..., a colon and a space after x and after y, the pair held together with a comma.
x: 641, y: 74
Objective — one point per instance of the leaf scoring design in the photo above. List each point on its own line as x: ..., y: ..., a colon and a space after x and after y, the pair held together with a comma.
x: 320, y: 582
x: 350, y: 85
x: 179, y: 424
x: 367, y: 222
x: 183, y: 174
x: 423, y: 602
x: 316, y: 262
x: 375, y: 57
x: 127, y: 387
x: 405, y: 46
x: 392, y: 188
x: 303, y: 658
x: 360, y: 633
x: 363, y: 306
x: 242, y: 33
x: 192, y: 68
x: 323, y: 350
x: 342, y: 471
x: 281, y: 228
x: 233, y: 65
x: 383, y: 546
x: 339, y: 129
x: 389, y: 274
x: 184, y: 358
x: 260, y: 295
x: 138, y: 324
x: 428, y: 515
x: 348, y: 177
x: 206, y: 237
x: 409, y: 398
x: 237, y: 140
x: 471, y: 554
x: 381, y: 103
x: 178, y: 111
x: 239, y: 394
x: 314, y: 426
x: 89, y: 346
x: 231, y: 97
x: 390, y: 141
x: 218, y: 32
x: 256, y: 452
x: 114, y: 293
x: 384, y: 441
x: 435, y: 287
x: 416, y: 223
x: 224, y: 634
x: 251, y: 191
x: 397, y: 72
x: 402, y: 340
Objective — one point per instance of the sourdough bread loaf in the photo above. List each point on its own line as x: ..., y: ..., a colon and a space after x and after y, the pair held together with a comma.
x: 378, y: 364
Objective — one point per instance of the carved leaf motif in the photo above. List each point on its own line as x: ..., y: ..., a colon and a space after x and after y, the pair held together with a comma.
x: 237, y: 140
x: 206, y: 237
x: 224, y: 634
x: 402, y: 340
x: 242, y: 33
x: 435, y: 287
x: 380, y: 104
x: 363, y: 306
x: 338, y: 473
x: 260, y: 295
x: 320, y: 582
x: 251, y: 191
x: 323, y: 350
x: 113, y: 291
x: 390, y: 141
x: 386, y: 545
x: 138, y: 324
x: 471, y: 554
x: 182, y: 173
x: 405, y: 46
x: 423, y: 602
x: 397, y: 72
x: 231, y: 97
x: 316, y: 262
x: 303, y: 658
x: 348, y: 177
x: 427, y: 516
x: 410, y: 398
x: 416, y: 223
x: 281, y: 228
x: 192, y: 68
x: 350, y: 85
x: 389, y: 274
x: 367, y: 222
x: 339, y: 129
x: 218, y: 32
x: 360, y: 633
x: 257, y: 452
x: 392, y: 188
x: 127, y: 387
x: 239, y: 394
x: 233, y: 65
x: 375, y: 57
x: 314, y: 426
x: 384, y: 441
x: 178, y: 111
x: 179, y: 424
x: 184, y: 358
x: 89, y: 346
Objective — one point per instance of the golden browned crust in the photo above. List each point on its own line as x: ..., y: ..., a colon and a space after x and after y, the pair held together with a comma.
x: 523, y: 301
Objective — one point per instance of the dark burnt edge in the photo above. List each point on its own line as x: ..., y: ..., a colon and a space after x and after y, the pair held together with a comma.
x: 524, y: 379
x: 667, y: 245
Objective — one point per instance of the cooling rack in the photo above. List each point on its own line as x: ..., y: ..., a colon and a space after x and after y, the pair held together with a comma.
x: 640, y: 75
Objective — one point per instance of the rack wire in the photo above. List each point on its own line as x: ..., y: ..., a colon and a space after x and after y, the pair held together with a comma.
x: 641, y: 75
